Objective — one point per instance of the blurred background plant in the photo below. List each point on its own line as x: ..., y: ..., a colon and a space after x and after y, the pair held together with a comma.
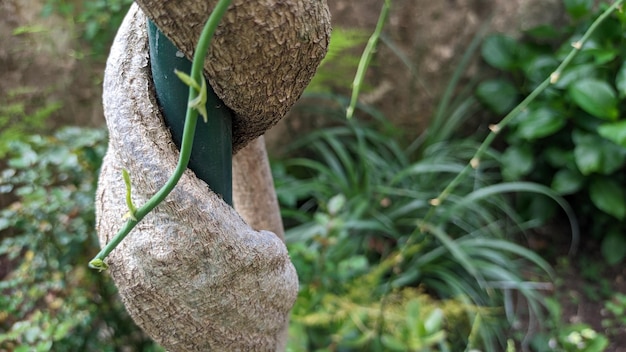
x: 17, y: 121
x: 355, y: 208
x: 615, y: 314
x: 572, y: 138
x: 49, y: 300
x: 96, y: 20
x: 567, y: 337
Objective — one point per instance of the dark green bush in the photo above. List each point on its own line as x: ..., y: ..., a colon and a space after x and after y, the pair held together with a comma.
x: 572, y: 138
x: 49, y: 299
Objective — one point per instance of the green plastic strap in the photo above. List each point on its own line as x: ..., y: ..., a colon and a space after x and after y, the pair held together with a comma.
x: 211, y: 154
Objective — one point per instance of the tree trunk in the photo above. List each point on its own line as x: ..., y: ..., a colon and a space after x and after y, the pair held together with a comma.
x: 193, y: 274
x: 263, y: 55
x: 253, y: 189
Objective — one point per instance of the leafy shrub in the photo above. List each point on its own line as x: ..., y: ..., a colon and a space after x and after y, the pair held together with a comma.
x: 49, y: 300
x: 572, y: 138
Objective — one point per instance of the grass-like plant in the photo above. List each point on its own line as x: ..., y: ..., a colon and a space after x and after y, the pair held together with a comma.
x: 357, y: 206
x: 363, y: 208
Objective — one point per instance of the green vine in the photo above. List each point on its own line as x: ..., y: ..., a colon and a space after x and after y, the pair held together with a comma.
x: 366, y: 58
x: 197, y: 100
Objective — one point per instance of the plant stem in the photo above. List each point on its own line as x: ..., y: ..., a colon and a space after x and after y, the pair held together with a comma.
x: 495, y: 129
x: 191, y: 119
x: 366, y: 58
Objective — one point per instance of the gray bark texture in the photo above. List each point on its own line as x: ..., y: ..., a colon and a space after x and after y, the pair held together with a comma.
x: 253, y: 189
x: 194, y: 274
x: 263, y: 54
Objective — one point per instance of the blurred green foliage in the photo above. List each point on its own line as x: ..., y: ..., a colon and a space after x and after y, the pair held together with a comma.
x: 49, y: 300
x: 97, y: 21
x: 566, y: 337
x: 371, y: 278
x: 19, y: 116
x: 336, y: 71
x: 615, y: 320
x: 573, y: 137
x: 354, y: 207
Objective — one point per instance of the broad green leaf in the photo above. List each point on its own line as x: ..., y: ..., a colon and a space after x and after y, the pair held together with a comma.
x: 559, y: 157
x: 575, y: 73
x: 615, y: 132
x: 596, y: 154
x: 620, y: 80
x: 543, y: 32
x: 608, y: 196
x: 540, y: 67
x: 602, y: 55
x: 613, y: 156
x: 540, y: 123
x: 498, y: 95
x: 566, y: 181
x: 588, y: 156
x: 614, y: 247
x: 499, y: 51
x: 517, y: 161
x: 596, y: 97
x: 578, y: 8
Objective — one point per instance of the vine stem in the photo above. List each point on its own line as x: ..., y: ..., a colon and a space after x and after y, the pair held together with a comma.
x: 191, y: 120
x: 495, y: 129
x: 366, y: 57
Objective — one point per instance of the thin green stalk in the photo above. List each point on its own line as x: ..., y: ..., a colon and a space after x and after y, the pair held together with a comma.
x: 191, y: 120
x: 495, y: 129
x: 366, y: 58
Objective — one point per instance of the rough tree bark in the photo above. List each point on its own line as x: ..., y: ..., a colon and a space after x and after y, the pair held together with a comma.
x: 263, y: 54
x: 254, y: 196
x: 194, y: 274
